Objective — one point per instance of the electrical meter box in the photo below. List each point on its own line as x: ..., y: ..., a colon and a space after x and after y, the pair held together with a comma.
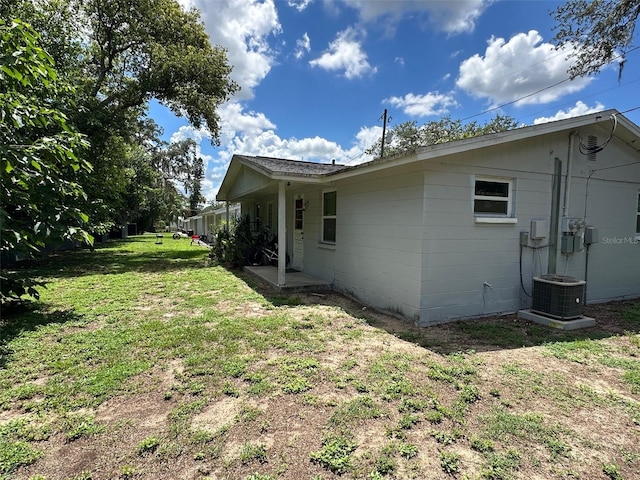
x: 591, y: 235
x: 572, y: 225
x: 571, y: 243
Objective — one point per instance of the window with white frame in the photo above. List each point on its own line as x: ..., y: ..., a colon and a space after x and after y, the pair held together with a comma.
x: 329, y: 209
x: 270, y: 215
x: 492, y: 197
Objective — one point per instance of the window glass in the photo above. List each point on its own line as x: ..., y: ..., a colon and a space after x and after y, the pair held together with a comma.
x: 270, y: 215
x: 486, y: 188
x: 299, y: 214
x: 329, y: 209
x: 329, y: 203
x: 492, y: 197
x: 329, y: 230
x: 490, y: 206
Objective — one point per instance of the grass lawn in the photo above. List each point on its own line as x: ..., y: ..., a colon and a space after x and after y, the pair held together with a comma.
x: 145, y: 361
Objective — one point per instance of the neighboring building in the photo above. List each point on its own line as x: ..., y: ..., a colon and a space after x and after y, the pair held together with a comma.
x: 208, y: 222
x: 436, y: 234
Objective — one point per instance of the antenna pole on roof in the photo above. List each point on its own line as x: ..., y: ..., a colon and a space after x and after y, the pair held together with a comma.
x: 384, y: 131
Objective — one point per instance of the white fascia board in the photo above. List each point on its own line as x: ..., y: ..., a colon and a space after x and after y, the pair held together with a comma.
x: 311, y: 179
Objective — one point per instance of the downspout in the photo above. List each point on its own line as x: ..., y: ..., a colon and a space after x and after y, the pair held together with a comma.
x: 567, y: 182
x: 282, y: 233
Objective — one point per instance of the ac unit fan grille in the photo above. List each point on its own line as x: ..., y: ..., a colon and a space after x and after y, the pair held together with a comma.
x: 557, y: 296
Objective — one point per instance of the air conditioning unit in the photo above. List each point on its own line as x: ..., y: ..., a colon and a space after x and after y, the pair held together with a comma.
x: 558, y: 296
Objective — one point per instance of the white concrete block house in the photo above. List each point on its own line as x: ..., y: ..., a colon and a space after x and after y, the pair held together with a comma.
x: 208, y: 222
x: 435, y: 234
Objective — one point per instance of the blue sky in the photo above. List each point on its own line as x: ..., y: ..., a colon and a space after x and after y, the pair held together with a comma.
x: 316, y: 75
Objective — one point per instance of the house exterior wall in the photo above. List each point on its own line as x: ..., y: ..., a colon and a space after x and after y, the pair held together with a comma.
x: 249, y: 181
x: 471, y: 268
x: 408, y: 241
x: 604, y: 192
x: 378, y: 249
x: 461, y: 256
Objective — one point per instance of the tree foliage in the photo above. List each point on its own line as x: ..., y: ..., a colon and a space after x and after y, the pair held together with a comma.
x: 195, y: 186
x: 599, y: 31
x: 409, y: 135
x: 154, y: 50
x: 121, y: 54
x: 39, y: 154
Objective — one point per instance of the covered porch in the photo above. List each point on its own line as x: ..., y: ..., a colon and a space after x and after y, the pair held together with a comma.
x: 271, y: 192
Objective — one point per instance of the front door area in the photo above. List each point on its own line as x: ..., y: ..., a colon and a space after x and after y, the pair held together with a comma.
x: 297, y: 260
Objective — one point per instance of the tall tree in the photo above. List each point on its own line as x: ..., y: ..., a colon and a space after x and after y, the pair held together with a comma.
x: 598, y: 31
x: 39, y: 160
x: 121, y: 54
x: 157, y: 171
x: 194, y: 186
x: 408, y: 135
x: 127, y: 52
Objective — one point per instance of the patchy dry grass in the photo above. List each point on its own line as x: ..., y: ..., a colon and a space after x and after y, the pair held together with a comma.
x: 142, y: 361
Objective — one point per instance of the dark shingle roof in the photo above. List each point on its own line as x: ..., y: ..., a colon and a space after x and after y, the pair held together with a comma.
x: 280, y: 166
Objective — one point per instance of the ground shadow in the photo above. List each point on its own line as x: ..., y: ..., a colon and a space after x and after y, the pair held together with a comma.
x: 509, y: 332
x: 28, y: 316
x: 480, y: 334
x: 106, y: 259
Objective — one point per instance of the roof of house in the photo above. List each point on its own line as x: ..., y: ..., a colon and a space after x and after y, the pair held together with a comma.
x: 312, y: 172
x: 281, y: 166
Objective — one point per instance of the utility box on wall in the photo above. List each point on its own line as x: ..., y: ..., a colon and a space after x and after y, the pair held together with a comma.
x: 591, y: 235
x: 571, y: 243
x: 558, y: 296
x: 539, y: 229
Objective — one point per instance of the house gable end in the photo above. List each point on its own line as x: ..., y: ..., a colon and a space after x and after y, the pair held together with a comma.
x: 246, y: 182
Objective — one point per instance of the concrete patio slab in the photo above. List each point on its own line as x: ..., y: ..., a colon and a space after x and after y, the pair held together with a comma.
x: 582, y: 322
x: 294, y: 280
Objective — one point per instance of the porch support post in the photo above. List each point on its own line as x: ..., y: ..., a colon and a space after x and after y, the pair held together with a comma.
x: 226, y: 204
x: 282, y: 232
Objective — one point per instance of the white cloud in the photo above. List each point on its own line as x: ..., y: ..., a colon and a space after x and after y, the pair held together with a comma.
x: 518, y: 68
x: 184, y: 132
x: 580, y: 108
x: 448, y: 16
x: 303, y: 46
x: 234, y: 121
x: 269, y: 144
x: 299, y: 5
x: 243, y: 27
x: 432, y: 103
x: 345, y: 53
